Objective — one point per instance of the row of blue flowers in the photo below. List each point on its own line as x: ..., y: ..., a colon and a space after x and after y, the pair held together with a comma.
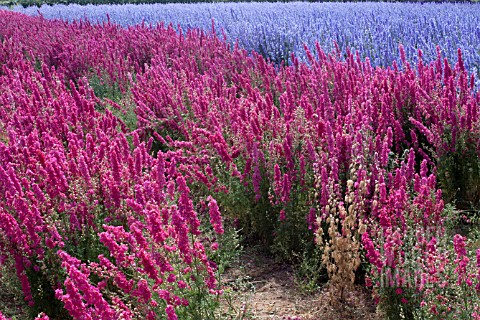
x: 375, y: 30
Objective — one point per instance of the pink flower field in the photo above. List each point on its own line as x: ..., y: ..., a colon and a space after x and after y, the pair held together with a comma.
x: 129, y: 156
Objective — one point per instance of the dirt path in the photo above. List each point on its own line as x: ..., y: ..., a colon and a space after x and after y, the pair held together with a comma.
x: 260, y: 288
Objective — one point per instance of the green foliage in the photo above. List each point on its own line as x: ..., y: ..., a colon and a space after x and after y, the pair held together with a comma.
x: 11, y: 295
x: 310, y: 272
x: 105, y: 89
x: 400, y: 305
x: 202, y: 304
x: 459, y: 177
x: 83, y: 244
x: 256, y: 219
x: 259, y: 220
x: 44, y: 296
x: 229, y: 249
x: 293, y: 238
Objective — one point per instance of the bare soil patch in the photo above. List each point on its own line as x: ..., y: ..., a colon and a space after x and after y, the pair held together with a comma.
x: 258, y: 287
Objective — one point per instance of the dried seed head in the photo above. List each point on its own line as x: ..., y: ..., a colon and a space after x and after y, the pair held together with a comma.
x: 350, y: 184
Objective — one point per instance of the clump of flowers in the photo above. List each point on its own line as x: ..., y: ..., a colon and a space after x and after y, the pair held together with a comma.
x: 75, y: 195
